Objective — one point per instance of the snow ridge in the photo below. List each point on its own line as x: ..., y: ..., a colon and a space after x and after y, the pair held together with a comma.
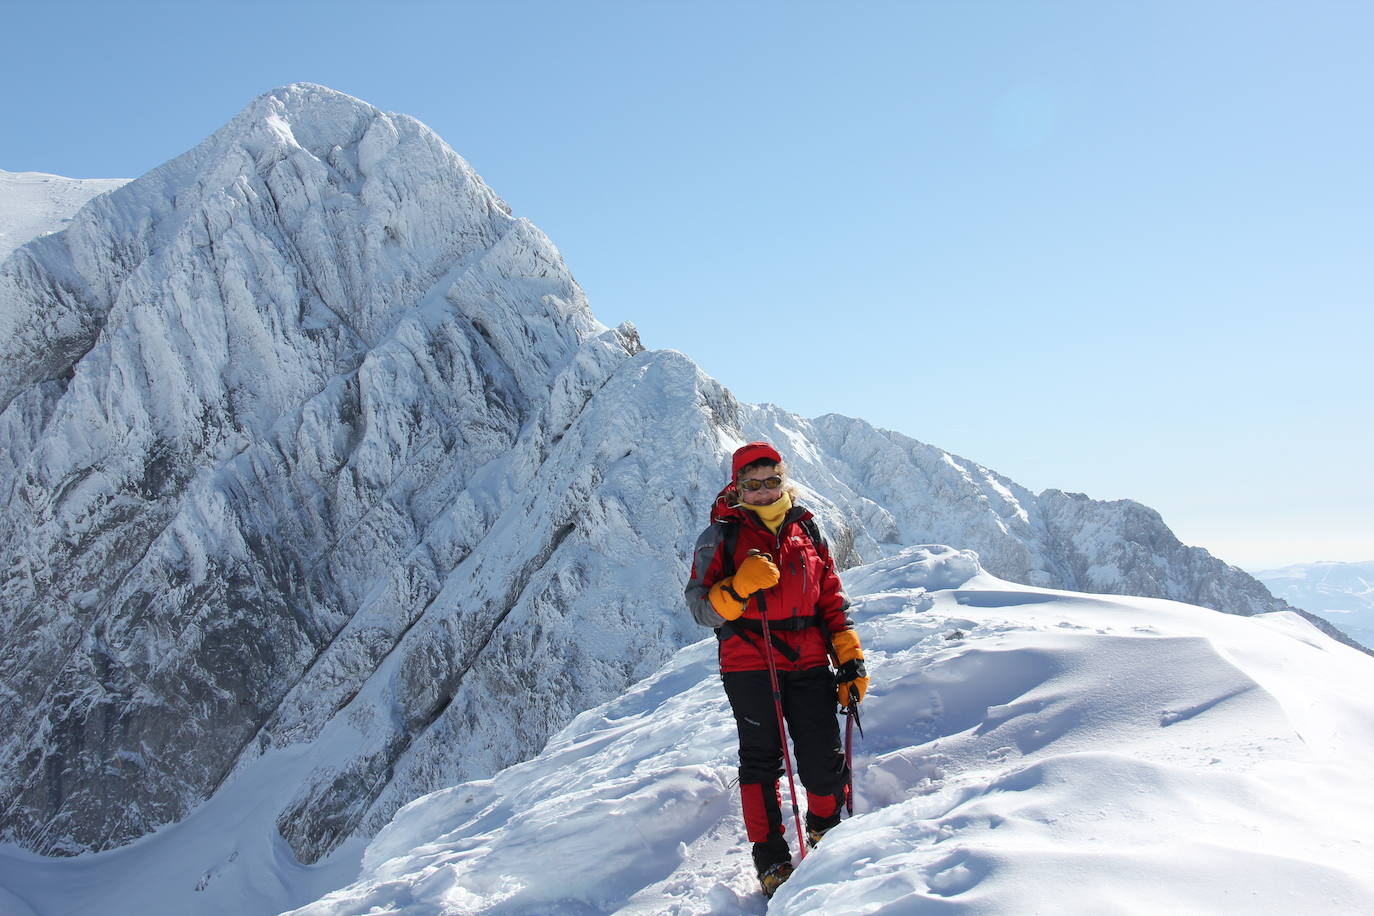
x: 1027, y: 750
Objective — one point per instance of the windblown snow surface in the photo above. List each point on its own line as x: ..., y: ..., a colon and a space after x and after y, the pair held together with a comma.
x: 35, y: 203
x: 1027, y: 751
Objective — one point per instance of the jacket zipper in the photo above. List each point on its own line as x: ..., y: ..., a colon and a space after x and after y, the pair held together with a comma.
x: 777, y: 554
x: 806, y: 584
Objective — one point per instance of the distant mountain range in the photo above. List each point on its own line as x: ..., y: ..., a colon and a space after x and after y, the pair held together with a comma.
x: 1342, y: 593
x: 311, y: 451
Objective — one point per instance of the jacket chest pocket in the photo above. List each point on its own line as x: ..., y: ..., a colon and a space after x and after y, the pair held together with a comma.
x: 804, y: 565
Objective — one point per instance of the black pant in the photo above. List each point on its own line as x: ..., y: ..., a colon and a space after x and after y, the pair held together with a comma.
x: 808, y: 705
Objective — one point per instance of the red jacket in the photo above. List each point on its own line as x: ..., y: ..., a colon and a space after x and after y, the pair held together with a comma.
x: 807, y: 602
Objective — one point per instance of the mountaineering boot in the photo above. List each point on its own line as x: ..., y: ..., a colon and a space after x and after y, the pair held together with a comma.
x: 772, y: 862
x: 817, y: 827
x: 772, y: 877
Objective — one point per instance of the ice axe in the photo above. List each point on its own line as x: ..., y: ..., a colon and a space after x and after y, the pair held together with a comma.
x: 851, y: 719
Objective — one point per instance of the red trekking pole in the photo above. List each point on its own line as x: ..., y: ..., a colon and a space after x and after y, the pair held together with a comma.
x: 782, y: 727
x: 851, y: 718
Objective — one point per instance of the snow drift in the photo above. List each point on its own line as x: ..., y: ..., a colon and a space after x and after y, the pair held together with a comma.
x: 1028, y: 750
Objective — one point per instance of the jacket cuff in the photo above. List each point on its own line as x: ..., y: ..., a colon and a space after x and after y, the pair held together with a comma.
x: 846, y: 646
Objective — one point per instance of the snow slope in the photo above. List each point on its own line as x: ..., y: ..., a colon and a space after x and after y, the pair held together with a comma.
x: 1028, y: 751
x: 1342, y: 593
x: 35, y: 203
x: 225, y: 859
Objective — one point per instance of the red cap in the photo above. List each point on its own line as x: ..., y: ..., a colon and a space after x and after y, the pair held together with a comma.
x: 748, y: 454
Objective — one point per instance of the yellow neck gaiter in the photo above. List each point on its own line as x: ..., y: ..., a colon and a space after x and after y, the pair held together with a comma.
x: 773, y: 513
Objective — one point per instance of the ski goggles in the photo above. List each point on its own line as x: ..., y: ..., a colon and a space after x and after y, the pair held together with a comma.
x: 771, y: 483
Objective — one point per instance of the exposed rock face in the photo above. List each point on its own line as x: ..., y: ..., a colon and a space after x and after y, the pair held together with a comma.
x: 308, y: 442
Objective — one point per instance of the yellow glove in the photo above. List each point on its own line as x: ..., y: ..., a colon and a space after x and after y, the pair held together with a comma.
x: 729, y: 596
x: 851, y: 671
x: 756, y: 573
x: 725, y: 600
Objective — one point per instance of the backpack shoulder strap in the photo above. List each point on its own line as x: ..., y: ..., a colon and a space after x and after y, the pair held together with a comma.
x: 729, y: 539
x: 728, y: 542
x: 813, y: 531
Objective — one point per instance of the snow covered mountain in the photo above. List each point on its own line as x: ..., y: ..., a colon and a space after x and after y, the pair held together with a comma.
x: 312, y: 450
x: 1341, y: 593
x: 34, y: 204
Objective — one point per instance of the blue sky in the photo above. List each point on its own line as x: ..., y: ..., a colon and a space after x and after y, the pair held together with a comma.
x: 1125, y: 249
